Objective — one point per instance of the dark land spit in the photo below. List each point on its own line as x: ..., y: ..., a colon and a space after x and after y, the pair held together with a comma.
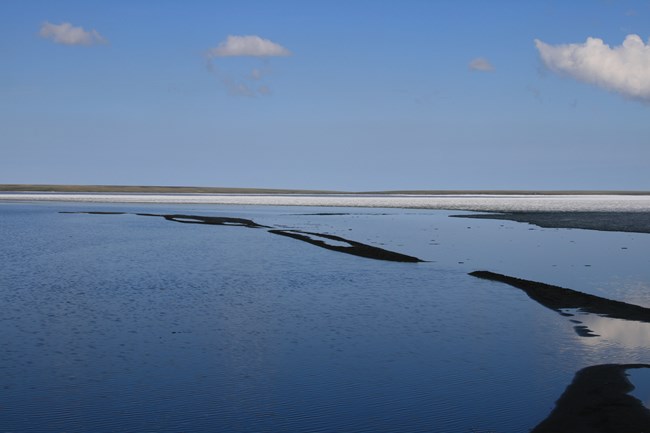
x: 559, y: 298
x: 215, y: 221
x: 96, y: 213
x: 324, y: 214
x: 634, y: 222
x: 597, y: 401
x: 355, y: 248
x: 339, y: 214
x: 186, y: 219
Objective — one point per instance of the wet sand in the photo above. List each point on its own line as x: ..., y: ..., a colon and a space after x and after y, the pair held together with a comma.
x: 597, y: 401
x: 634, y: 222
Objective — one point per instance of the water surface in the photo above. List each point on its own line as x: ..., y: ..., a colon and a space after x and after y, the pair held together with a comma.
x: 131, y: 323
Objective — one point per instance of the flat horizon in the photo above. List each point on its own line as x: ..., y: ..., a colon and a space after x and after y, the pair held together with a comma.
x: 184, y: 189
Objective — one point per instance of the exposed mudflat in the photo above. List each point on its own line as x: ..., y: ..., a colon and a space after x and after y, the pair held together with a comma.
x: 635, y: 222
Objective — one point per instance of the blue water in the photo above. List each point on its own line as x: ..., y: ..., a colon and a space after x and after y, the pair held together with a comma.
x: 130, y: 323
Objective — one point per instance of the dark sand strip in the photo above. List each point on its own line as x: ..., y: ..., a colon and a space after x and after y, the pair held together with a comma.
x: 355, y: 248
x: 597, y: 401
x: 352, y: 247
x: 186, y: 219
x: 558, y: 298
x: 95, y: 213
x: 215, y: 221
x: 633, y: 222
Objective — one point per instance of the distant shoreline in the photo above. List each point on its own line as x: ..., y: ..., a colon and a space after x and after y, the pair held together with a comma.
x: 505, y: 204
x: 44, y: 188
x: 585, y: 210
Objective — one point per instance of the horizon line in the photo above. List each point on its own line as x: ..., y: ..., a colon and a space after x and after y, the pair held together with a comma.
x: 71, y: 188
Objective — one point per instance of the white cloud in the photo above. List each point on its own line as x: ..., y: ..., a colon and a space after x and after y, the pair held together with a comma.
x: 66, y: 34
x: 237, y: 82
x: 481, y: 64
x: 251, y: 46
x: 624, y: 69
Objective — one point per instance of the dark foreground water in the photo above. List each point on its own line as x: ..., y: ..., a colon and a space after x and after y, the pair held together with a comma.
x: 131, y: 323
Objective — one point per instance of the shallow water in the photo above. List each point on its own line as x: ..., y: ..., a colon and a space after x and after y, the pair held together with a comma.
x: 130, y: 323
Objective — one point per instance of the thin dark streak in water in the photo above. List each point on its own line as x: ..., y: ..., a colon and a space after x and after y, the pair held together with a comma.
x: 95, y: 213
x: 338, y: 214
x: 584, y: 331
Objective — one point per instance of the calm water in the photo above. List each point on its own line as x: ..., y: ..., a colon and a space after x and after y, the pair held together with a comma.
x: 130, y: 323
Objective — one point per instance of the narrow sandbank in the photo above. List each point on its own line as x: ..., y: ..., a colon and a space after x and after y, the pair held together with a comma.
x: 559, y: 298
x: 597, y: 401
x: 209, y: 220
x: 339, y: 244
x: 352, y: 247
x: 96, y: 213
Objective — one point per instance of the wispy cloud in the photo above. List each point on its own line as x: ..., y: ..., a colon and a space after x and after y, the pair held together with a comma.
x: 67, y: 34
x: 248, y: 46
x: 624, y: 69
x: 481, y: 64
x: 241, y: 83
x: 256, y: 74
x: 250, y: 85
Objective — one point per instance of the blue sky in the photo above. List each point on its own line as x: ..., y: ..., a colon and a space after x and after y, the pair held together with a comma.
x: 367, y: 95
